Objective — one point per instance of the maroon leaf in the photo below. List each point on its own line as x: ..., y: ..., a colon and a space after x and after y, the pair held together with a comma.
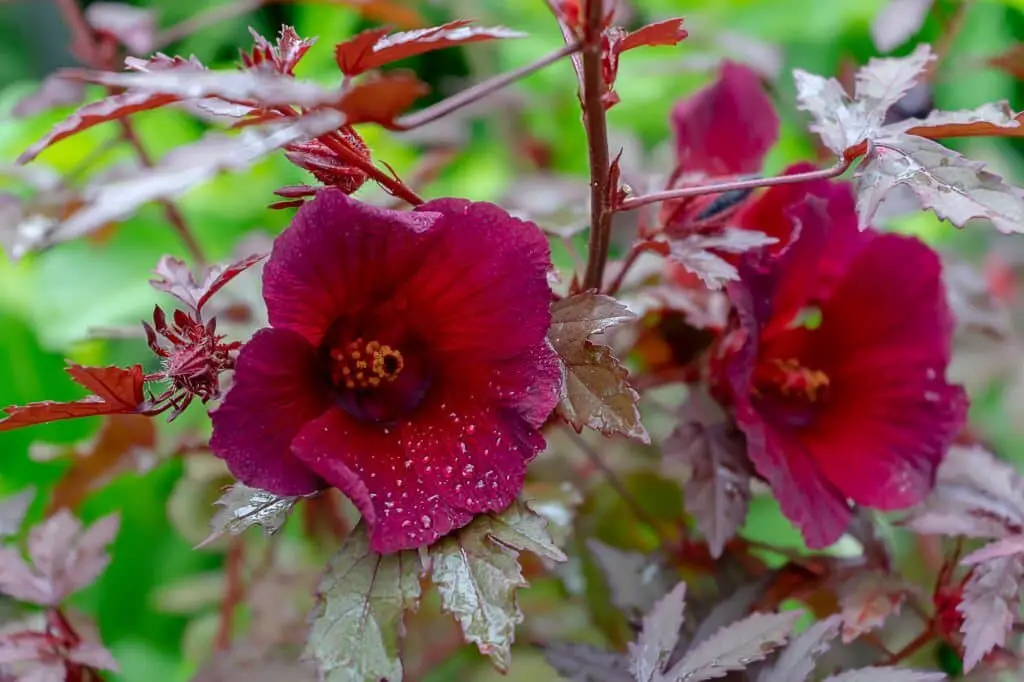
x: 1006, y: 547
x: 867, y: 600
x: 373, y: 49
x: 796, y: 663
x: 735, y: 647
x: 990, y: 605
x: 718, y: 491
x: 659, y: 636
x: 898, y: 22
x: 176, y: 279
x: 133, y: 27
x: 107, y: 109
x: 382, y: 99
x: 65, y: 558
x: 586, y: 663
x: 636, y: 580
x: 668, y: 32
x: 53, y: 92
x: 115, y: 391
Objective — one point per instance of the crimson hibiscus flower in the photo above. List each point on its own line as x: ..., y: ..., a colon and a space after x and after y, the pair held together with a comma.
x: 838, y: 370
x: 406, y: 364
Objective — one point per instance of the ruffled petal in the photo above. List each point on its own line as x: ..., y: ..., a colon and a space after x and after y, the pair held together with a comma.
x: 419, y: 480
x: 341, y: 256
x: 888, y: 331
x: 487, y: 295
x: 807, y: 499
x: 276, y: 391
x: 528, y: 385
x: 727, y: 127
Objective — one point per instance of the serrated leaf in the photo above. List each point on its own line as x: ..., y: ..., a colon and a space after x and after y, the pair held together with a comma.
x: 595, y: 392
x: 667, y: 32
x: 374, y: 48
x: 357, y: 622
x: 990, y: 604
x: 696, y: 253
x: 13, y: 509
x: 735, y: 646
x: 477, y: 573
x: 586, y: 663
x: 991, y: 119
x: 636, y: 580
x: 65, y: 557
x: 886, y: 674
x: 975, y: 494
x: 175, y: 278
x: 1005, y: 547
x: 114, y: 390
x: 133, y: 27
x: 955, y: 188
x: 736, y: 606
x: 843, y: 123
x: 243, y: 507
x: 718, y: 491
x: 797, y: 660
x: 658, y: 636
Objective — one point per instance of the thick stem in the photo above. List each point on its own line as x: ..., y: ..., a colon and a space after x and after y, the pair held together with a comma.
x: 479, y: 91
x: 597, y: 145
x: 833, y: 171
x: 171, y: 211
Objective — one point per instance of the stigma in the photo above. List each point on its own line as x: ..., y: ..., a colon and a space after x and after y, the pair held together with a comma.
x: 792, y: 380
x: 363, y: 365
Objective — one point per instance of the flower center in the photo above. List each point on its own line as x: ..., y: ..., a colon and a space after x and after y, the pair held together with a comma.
x: 364, y: 364
x: 379, y: 371
x: 791, y: 379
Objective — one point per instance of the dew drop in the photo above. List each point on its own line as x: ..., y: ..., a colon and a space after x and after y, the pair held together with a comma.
x: 468, y: 470
x: 425, y: 520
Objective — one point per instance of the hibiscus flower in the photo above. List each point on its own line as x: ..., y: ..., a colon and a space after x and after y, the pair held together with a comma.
x: 837, y: 372
x: 405, y: 364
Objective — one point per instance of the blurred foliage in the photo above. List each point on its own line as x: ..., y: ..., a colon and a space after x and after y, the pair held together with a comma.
x: 50, y: 301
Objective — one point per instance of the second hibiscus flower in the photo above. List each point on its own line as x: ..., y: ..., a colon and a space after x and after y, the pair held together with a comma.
x: 406, y: 364
x: 837, y: 364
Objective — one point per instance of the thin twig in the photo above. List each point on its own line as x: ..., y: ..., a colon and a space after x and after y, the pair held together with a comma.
x: 171, y: 211
x: 390, y: 183
x: 635, y: 251
x: 478, y: 91
x: 833, y: 171
x: 597, y: 145
x: 613, y: 479
x: 83, y: 40
x: 233, y: 593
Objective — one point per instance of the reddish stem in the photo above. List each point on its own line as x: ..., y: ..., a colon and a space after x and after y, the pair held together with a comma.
x: 597, y: 145
x: 354, y: 158
x: 833, y: 171
x: 635, y: 251
x: 913, y: 647
x: 479, y: 91
x: 233, y: 594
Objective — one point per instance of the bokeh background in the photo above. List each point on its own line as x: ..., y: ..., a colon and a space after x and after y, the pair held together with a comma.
x: 156, y: 604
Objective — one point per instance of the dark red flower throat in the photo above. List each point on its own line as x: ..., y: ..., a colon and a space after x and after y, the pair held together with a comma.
x: 379, y: 371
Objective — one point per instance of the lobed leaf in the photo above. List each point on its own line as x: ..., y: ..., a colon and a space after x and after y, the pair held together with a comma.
x: 477, y: 573
x: 994, y: 119
x: 867, y: 600
x: 735, y: 646
x: 659, y: 636
x: 1006, y: 547
x: 64, y: 559
x: 696, y: 253
x: 115, y: 391
x: 357, y: 621
x: 374, y: 48
x: 383, y: 98
x: 990, y: 605
x: 797, y: 660
x: 898, y: 22
x: 667, y: 32
x: 175, y: 278
x: 955, y: 188
x: 243, y: 507
x: 886, y: 674
x: 595, y: 391
x: 636, y: 580
x: 718, y: 490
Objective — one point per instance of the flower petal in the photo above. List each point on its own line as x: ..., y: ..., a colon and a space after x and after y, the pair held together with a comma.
x: 490, y: 300
x: 727, y: 127
x: 276, y: 391
x: 340, y: 256
x: 528, y: 384
x: 889, y: 329
x: 807, y: 499
x: 419, y: 480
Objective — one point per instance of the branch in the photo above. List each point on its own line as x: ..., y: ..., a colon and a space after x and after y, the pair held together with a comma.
x: 837, y: 169
x: 234, y: 593
x: 597, y: 145
x: 478, y: 91
x: 171, y: 211
x: 83, y: 40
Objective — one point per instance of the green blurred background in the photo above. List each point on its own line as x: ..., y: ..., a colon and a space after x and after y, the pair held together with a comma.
x: 50, y: 303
